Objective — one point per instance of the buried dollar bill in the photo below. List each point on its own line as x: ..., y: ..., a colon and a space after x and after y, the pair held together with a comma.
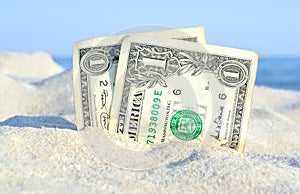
x: 171, y: 90
x: 94, y: 68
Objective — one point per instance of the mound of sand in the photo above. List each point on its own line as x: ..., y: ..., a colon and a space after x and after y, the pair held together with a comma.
x: 52, y: 96
x: 41, y: 152
x: 28, y: 67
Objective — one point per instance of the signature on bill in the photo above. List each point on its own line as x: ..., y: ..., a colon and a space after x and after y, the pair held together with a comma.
x: 104, y: 95
x: 104, y: 119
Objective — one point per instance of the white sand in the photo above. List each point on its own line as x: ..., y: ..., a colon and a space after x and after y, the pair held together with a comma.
x: 41, y: 151
x: 28, y: 67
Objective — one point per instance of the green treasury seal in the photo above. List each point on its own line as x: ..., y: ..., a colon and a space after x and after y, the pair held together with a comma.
x: 186, y: 125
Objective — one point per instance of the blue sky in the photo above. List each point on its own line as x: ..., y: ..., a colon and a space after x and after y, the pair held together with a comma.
x: 268, y: 27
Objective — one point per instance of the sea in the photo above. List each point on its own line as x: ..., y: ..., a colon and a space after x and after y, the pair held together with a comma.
x: 274, y: 72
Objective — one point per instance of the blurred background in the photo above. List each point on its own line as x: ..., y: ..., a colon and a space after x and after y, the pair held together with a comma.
x: 270, y: 28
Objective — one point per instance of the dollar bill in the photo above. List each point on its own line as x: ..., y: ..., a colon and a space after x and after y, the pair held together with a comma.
x: 94, y: 68
x: 173, y: 91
